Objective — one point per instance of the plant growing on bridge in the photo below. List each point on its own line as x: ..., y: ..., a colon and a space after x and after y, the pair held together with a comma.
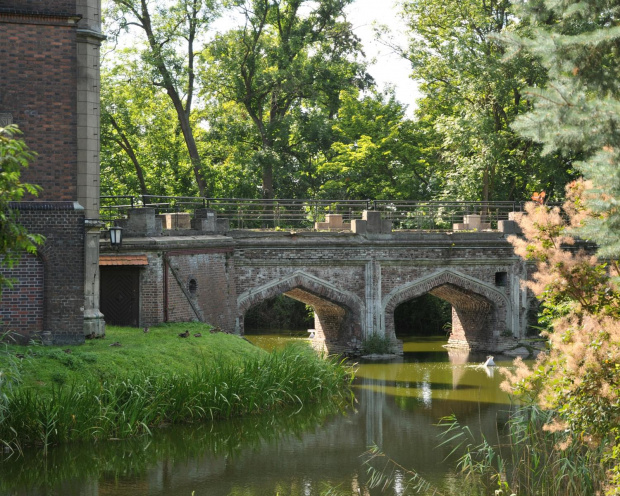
x: 376, y: 344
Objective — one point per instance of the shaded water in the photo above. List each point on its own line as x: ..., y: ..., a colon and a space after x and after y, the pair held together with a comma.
x: 291, y: 453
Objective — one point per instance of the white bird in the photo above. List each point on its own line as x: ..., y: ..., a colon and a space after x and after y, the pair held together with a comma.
x: 489, y: 362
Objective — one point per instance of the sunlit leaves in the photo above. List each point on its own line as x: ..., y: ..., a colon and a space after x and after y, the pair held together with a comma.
x: 473, y: 95
x: 14, y: 238
x: 286, y: 67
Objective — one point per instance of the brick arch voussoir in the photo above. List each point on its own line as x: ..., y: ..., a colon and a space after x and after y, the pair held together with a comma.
x: 309, y: 283
x: 420, y: 287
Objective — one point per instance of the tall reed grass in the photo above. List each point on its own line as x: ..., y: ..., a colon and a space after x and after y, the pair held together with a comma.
x: 529, y: 460
x: 525, y: 460
x: 135, y: 404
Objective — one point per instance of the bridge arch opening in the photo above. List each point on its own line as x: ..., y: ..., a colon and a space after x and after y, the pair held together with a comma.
x: 279, y: 315
x: 478, y: 309
x: 425, y: 315
x: 336, y: 313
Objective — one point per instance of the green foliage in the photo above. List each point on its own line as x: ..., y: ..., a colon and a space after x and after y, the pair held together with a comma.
x: 285, y: 67
x: 135, y: 456
x: 14, y: 238
x: 578, y: 110
x: 159, y: 350
x: 167, y: 39
x: 376, y: 152
x: 280, y: 312
x: 472, y: 96
x: 376, y: 344
x: 579, y: 379
x: 423, y: 316
x: 10, y: 375
x: 383, y: 471
x: 142, y: 148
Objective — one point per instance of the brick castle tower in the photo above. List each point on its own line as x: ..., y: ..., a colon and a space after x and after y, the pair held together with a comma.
x: 49, y: 87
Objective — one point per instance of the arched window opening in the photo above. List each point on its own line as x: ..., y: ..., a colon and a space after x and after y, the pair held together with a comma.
x: 193, y: 287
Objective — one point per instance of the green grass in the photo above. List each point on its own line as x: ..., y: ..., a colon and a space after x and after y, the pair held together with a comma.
x: 100, y: 392
x: 160, y: 351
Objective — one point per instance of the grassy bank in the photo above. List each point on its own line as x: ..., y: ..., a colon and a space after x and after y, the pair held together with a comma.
x: 97, y: 391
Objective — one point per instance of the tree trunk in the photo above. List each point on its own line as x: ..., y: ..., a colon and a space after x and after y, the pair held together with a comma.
x: 128, y: 148
x: 190, y: 142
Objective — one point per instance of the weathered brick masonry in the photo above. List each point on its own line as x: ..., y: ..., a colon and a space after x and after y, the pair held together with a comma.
x: 187, y: 279
x: 49, y: 87
x: 368, y: 277
x: 54, y: 279
x: 38, y: 68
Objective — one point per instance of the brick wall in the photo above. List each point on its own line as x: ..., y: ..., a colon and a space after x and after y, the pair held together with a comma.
x: 152, y: 290
x: 477, y: 274
x: 66, y: 7
x: 207, y: 281
x: 353, y: 283
x: 38, y: 71
x: 21, y: 307
x: 62, y: 257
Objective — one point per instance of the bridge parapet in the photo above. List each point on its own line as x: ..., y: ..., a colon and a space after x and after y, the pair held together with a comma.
x: 309, y: 214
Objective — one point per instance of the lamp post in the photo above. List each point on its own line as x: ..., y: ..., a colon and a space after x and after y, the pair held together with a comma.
x: 116, y: 237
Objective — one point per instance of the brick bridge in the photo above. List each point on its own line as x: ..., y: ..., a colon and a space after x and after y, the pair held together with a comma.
x: 353, y: 280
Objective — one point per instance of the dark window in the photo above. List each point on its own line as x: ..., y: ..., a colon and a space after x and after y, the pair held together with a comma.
x: 501, y: 278
x: 193, y: 287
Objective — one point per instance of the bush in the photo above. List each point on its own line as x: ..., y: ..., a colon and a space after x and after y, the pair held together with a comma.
x: 376, y: 344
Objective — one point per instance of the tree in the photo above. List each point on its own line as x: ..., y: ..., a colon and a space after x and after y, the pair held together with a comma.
x: 578, y: 110
x: 172, y: 30
x: 14, y: 238
x: 142, y: 146
x: 377, y: 152
x: 472, y: 96
x: 286, y: 67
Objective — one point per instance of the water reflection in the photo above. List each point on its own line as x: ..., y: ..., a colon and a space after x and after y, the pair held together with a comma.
x: 397, y: 406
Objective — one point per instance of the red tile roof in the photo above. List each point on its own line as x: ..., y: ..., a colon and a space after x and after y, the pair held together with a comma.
x: 123, y: 260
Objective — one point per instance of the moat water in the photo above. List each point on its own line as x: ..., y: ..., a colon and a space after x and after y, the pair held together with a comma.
x: 397, y: 406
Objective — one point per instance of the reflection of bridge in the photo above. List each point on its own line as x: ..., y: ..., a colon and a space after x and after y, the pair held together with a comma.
x: 353, y: 280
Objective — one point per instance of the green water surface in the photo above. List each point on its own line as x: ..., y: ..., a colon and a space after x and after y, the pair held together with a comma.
x: 309, y: 452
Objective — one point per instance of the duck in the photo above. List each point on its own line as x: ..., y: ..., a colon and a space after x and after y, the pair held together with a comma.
x: 184, y: 334
x: 116, y: 343
x: 489, y: 362
x: 146, y: 329
x: 198, y: 335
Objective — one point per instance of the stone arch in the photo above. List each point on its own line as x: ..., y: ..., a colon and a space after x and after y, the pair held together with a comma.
x: 337, y: 313
x: 480, y: 312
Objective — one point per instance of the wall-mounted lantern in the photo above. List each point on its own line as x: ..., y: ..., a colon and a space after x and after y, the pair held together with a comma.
x: 116, y: 237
